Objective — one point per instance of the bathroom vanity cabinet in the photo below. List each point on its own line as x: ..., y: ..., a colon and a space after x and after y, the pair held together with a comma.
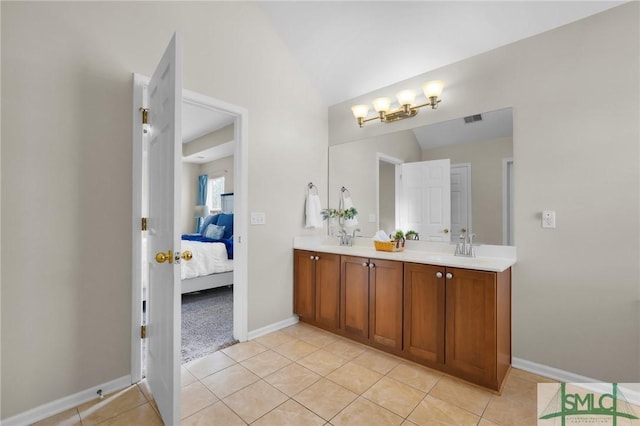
x: 455, y: 320
x: 371, y: 301
x: 424, y: 313
x: 459, y: 321
x: 317, y: 288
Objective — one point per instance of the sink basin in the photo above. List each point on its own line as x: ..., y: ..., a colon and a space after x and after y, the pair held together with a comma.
x: 330, y: 242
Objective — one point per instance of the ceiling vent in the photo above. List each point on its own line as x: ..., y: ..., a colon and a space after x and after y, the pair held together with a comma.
x: 472, y: 118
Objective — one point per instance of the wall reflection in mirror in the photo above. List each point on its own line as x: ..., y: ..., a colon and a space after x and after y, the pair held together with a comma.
x: 394, y: 185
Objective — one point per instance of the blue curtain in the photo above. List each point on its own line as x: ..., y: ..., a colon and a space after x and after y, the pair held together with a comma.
x: 202, y: 196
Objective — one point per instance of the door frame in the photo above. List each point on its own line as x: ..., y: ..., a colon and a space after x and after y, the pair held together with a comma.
x: 467, y: 166
x: 507, y: 201
x: 241, y: 243
x: 381, y: 157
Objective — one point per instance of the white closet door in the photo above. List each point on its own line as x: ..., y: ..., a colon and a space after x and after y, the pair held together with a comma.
x: 424, y: 199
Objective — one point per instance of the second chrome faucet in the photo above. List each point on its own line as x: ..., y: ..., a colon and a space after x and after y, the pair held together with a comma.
x: 346, y: 239
x: 465, y: 246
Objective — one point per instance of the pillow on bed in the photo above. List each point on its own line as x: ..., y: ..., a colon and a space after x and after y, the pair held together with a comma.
x: 211, y: 219
x: 214, y: 232
x: 226, y: 220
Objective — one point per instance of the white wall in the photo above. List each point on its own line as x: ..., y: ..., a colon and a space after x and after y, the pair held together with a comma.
x: 387, y: 200
x: 190, y: 174
x: 575, y: 97
x: 66, y: 148
x: 219, y: 168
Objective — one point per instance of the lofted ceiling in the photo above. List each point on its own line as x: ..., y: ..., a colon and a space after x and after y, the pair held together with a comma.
x: 350, y: 48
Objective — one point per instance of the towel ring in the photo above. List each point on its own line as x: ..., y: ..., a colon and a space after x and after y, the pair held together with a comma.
x: 344, y: 193
x: 310, y: 188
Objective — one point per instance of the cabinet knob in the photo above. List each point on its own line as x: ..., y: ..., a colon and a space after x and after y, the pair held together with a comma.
x: 372, y: 265
x: 365, y: 264
x: 438, y: 274
x: 449, y: 275
x: 311, y: 257
x: 317, y: 258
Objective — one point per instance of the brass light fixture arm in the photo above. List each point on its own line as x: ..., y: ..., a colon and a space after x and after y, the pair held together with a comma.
x: 401, y: 113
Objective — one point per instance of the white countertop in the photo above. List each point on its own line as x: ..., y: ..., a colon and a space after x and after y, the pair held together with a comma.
x: 488, y: 258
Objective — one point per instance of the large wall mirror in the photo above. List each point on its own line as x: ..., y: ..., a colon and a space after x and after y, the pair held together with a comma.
x: 480, y: 151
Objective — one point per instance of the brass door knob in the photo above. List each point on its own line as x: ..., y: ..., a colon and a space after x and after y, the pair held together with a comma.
x: 186, y: 255
x: 445, y: 230
x: 164, y: 257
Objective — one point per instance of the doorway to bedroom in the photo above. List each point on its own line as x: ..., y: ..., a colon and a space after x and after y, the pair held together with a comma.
x: 213, y: 198
x: 208, y: 193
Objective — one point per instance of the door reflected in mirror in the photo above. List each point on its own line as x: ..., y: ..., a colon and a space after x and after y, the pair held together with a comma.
x: 480, y: 152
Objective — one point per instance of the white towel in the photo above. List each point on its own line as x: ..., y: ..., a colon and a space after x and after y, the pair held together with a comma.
x: 347, y: 205
x: 381, y: 236
x: 312, y: 211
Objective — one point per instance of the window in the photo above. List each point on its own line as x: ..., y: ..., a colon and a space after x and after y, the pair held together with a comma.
x: 215, y: 187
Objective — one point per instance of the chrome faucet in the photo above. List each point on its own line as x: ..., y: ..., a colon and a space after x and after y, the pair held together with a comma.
x: 465, y: 246
x: 345, y: 239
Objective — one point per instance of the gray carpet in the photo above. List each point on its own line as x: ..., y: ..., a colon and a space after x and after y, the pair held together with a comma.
x: 207, y: 322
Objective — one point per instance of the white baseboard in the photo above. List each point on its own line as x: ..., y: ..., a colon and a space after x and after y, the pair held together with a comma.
x: 51, y: 408
x: 550, y: 372
x: 632, y: 395
x: 272, y: 327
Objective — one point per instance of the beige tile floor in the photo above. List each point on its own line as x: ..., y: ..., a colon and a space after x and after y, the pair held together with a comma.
x: 302, y: 375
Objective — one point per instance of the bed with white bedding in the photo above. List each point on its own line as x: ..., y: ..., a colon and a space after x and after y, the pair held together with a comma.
x: 208, y: 258
x: 212, y: 263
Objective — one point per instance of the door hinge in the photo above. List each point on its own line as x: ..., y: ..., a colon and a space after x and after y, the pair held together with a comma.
x: 143, y: 332
x: 143, y: 224
x: 145, y: 115
x: 145, y: 120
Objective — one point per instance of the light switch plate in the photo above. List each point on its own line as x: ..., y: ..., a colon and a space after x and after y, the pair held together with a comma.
x: 372, y: 217
x: 258, y: 218
x: 548, y: 219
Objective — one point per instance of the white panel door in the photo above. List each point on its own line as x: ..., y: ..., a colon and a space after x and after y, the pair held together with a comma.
x: 165, y: 143
x: 460, y: 199
x: 424, y: 199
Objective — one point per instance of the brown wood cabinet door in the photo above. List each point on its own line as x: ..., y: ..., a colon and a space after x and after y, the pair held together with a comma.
x: 386, y: 303
x: 328, y: 290
x: 304, y: 289
x: 354, y: 296
x: 470, y: 344
x: 424, y: 312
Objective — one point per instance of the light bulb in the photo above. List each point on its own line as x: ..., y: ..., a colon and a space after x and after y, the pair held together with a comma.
x: 360, y: 111
x: 381, y: 104
x: 406, y: 97
x: 433, y: 89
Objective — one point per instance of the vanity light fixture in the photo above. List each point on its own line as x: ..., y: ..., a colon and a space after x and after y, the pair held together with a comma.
x: 406, y: 98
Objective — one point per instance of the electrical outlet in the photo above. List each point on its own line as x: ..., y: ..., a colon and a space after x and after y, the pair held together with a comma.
x: 372, y: 217
x: 258, y: 218
x: 548, y: 219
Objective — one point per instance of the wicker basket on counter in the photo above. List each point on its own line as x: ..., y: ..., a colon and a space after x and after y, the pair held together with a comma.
x: 397, y: 245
